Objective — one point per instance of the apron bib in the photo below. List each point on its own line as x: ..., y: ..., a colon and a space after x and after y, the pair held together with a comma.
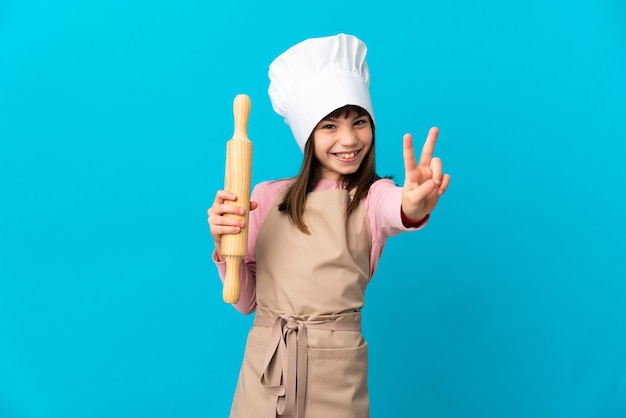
x: 305, y: 355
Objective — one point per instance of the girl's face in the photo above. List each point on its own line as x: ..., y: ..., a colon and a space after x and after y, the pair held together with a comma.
x: 341, y: 144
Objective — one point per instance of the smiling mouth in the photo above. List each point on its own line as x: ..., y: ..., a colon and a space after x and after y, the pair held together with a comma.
x: 347, y: 155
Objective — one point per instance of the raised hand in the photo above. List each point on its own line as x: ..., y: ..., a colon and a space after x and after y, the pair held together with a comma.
x: 220, y: 223
x: 424, y: 181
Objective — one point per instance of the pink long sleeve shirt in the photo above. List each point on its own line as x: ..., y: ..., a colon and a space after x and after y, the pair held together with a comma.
x: 383, y: 207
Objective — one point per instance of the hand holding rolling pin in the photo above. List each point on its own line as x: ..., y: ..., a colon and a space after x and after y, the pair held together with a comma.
x: 228, y: 217
x: 220, y: 223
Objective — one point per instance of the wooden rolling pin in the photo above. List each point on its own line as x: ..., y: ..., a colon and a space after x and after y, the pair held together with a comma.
x: 237, y: 180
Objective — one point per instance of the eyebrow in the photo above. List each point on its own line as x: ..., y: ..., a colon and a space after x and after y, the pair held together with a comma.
x: 334, y: 119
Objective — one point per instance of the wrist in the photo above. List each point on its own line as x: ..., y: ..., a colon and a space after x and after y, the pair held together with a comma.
x: 411, y: 222
x: 218, y: 253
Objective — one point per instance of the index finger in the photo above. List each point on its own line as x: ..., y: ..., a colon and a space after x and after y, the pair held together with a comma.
x: 223, y: 195
x: 408, y: 153
x: 429, y: 146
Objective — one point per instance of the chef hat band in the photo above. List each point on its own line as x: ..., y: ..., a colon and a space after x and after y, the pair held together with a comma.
x: 316, y: 77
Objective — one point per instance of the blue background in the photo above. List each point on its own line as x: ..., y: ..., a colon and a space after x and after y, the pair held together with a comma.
x: 114, y: 117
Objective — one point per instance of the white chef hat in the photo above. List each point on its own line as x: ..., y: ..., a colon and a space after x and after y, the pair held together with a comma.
x: 317, y: 76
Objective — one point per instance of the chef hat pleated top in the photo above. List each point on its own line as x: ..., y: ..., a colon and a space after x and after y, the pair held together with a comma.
x: 317, y: 76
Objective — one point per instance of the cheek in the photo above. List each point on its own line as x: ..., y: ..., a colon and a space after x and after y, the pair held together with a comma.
x: 366, y: 139
x: 320, y: 146
x: 318, y: 155
x: 317, y: 150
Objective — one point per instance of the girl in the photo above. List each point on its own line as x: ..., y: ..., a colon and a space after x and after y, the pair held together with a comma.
x: 315, y: 240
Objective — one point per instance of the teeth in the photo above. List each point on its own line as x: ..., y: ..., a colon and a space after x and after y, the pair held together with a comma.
x: 346, y: 155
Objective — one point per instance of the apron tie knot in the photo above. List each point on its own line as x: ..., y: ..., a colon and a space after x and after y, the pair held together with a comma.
x: 285, y: 366
x: 291, y: 323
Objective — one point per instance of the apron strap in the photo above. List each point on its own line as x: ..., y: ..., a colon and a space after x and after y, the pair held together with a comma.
x: 286, y: 360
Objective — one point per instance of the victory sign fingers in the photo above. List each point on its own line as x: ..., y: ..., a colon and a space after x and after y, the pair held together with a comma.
x: 424, y: 179
x: 428, y: 148
x: 428, y: 167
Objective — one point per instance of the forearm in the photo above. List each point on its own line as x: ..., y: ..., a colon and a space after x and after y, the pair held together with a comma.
x: 391, y: 216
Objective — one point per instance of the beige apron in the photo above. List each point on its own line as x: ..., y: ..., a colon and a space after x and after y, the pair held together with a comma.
x: 305, y: 356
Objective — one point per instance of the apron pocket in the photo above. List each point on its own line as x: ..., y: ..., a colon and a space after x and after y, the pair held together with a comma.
x: 337, y: 382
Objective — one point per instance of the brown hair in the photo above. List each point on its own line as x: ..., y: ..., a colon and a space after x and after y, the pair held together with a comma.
x: 295, y: 197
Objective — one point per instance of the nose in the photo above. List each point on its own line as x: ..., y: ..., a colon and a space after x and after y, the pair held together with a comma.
x: 348, y: 137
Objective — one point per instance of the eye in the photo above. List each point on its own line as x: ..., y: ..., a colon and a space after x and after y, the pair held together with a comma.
x: 328, y: 126
x: 361, y: 121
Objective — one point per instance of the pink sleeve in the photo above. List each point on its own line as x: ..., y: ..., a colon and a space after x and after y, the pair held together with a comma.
x: 384, y: 209
x: 265, y: 195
